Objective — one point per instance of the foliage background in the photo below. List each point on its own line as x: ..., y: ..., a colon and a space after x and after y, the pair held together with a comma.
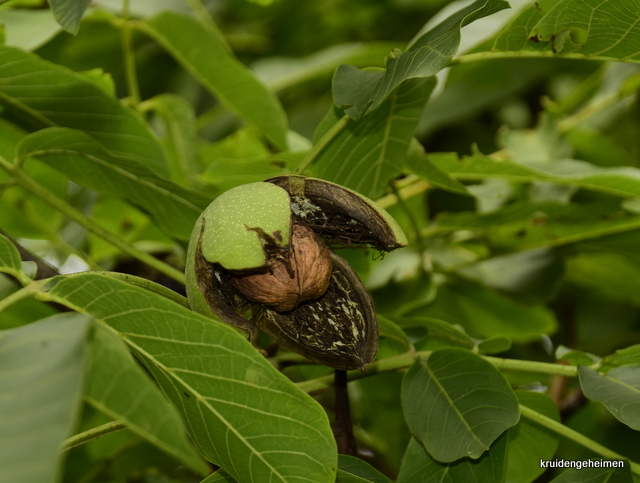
x: 523, y: 222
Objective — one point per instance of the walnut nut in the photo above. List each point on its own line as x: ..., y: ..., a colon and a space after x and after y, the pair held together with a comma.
x: 304, y: 273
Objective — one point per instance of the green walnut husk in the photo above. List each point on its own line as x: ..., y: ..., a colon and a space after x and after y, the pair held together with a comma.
x: 247, y: 231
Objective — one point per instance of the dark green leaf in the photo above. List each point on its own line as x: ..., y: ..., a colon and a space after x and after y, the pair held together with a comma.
x: 89, y: 164
x: 391, y: 330
x: 119, y: 388
x: 457, y: 404
x: 595, y: 475
x: 41, y: 372
x: 439, y: 333
x: 217, y: 380
x: 618, y: 390
x: 426, y: 56
x: 486, y: 313
x: 419, y: 467
x: 369, y: 152
x: 50, y: 95
x: 528, y: 443
x: 203, y: 52
x: 68, y: 13
x: 361, y: 469
x: 420, y: 164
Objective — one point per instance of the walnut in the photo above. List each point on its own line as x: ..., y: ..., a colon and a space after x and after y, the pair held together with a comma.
x: 304, y: 273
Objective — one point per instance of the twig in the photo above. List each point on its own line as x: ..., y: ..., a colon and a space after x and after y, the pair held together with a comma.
x: 343, y: 427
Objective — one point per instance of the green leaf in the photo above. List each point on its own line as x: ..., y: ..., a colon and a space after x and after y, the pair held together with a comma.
x: 438, y: 332
x: 611, y: 275
x: 426, y: 56
x: 486, y: 313
x: 27, y: 28
x: 216, y: 379
x: 624, y: 357
x: 617, y: 181
x: 419, y: 467
x: 575, y: 29
x: 363, y: 471
x: 119, y: 388
x: 88, y: 163
x: 10, y: 261
x: 494, y: 345
x: 457, y: 404
x: 219, y: 476
x: 205, y: 55
x: 618, y: 390
x: 528, y: 443
x: 419, y: 164
x: 180, y: 136
x: 68, y: 13
x: 595, y: 475
x: 369, y: 152
x: 575, y: 357
x: 531, y: 276
x: 279, y: 73
x: 50, y: 95
x: 392, y: 331
x: 41, y: 372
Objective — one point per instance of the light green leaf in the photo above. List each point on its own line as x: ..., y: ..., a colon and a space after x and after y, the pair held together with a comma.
x: 457, y: 404
x: 68, y: 13
x: 217, y: 380
x: 27, y: 28
x: 367, y: 153
x: 119, y: 388
x: 419, y: 467
x: 618, y: 390
x: 617, y: 181
x: 41, y: 372
x: 528, y: 443
x: 282, y: 72
x: 180, y: 136
x: 10, y: 261
x: 204, y: 54
x: 50, y: 95
x: 623, y: 357
x: 595, y: 475
x: 88, y: 163
x: 426, y: 56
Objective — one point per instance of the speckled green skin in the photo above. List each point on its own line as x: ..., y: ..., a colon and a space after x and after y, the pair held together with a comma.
x: 234, y: 220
